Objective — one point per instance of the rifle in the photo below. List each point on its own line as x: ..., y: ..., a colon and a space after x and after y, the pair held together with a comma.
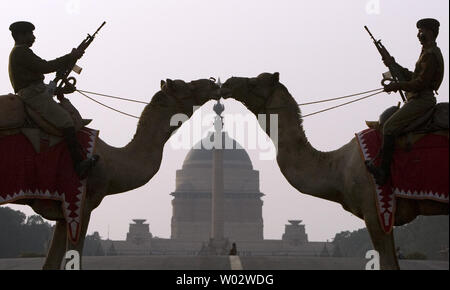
x: 62, y: 76
x: 394, y: 74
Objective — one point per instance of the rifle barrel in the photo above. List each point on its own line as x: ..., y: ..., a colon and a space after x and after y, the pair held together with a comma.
x: 368, y: 31
x: 104, y: 22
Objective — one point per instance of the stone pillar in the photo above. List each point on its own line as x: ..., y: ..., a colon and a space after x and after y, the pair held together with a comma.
x: 218, y: 244
x: 217, y: 198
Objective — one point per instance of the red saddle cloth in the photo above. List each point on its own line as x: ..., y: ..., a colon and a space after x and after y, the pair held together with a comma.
x: 421, y: 173
x: 25, y: 174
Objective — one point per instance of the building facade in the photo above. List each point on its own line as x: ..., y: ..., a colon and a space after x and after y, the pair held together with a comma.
x: 191, y: 218
x: 191, y: 212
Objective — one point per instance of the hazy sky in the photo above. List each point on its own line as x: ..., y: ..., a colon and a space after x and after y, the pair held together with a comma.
x: 319, y: 47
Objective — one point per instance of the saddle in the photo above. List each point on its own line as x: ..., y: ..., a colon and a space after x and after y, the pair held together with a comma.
x: 16, y: 118
x: 435, y: 121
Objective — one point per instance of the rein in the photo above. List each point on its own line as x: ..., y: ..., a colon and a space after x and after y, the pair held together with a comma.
x: 180, y: 105
x: 374, y: 92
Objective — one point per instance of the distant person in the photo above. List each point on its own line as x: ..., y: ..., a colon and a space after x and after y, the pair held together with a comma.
x: 233, y: 251
x: 26, y: 72
x: 400, y: 253
x: 420, y: 87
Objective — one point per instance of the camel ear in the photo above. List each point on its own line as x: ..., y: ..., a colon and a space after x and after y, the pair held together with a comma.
x: 276, y: 77
x: 169, y: 83
x: 163, y: 83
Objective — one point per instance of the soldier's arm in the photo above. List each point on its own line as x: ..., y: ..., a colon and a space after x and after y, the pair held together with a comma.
x: 423, y: 79
x: 401, y: 72
x: 37, y: 64
x: 406, y: 72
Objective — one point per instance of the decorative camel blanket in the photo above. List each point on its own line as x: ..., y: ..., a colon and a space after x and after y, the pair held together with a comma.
x: 421, y: 173
x: 25, y: 174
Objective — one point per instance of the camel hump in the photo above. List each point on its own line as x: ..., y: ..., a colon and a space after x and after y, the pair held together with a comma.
x: 440, y: 116
x: 436, y: 119
x: 14, y: 115
x: 43, y: 124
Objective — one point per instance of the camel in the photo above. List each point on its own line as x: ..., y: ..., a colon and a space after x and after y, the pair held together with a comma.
x: 127, y: 168
x: 338, y: 176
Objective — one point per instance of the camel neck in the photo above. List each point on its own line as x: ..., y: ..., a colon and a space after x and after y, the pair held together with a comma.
x: 310, y: 171
x: 137, y: 162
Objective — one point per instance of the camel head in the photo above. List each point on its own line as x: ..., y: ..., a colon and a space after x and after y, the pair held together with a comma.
x: 187, y: 95
x: 254, y: 93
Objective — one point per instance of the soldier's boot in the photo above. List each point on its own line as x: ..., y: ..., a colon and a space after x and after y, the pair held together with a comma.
x: 383, y: 172
x: 81, y: 167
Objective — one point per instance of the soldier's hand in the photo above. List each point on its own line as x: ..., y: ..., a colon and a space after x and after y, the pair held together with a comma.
x: 392, y: 87
x: 68, y: 88
x: 76, y: 53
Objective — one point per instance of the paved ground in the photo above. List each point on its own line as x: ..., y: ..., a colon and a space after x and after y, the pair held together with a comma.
x: 219, y: 263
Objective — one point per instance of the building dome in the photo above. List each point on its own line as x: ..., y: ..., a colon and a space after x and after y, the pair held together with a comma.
x: 201, y: 155
x: 195, y: 176
x: 191, y: 219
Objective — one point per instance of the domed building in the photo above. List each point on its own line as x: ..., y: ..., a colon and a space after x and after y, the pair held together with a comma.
x: 191, y: 218
x: 237, y: 216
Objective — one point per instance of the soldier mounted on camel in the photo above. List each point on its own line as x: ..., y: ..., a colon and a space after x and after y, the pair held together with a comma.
x: 419, y: 86
x: 26, y: 72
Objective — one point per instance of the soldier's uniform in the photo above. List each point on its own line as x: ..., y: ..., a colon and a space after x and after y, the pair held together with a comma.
x: 26, y: 72
x: 423, y: 82
x: 426, y: 78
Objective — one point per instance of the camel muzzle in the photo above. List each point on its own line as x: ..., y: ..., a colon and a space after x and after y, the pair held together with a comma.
x: 224, y: 93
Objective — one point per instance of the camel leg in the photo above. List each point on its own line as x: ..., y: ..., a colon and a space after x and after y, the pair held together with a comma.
x: 383, y: 244
x: 79, y: 245
x: 57, y: 248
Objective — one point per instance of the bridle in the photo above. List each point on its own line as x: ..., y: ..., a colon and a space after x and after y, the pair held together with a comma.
x: 180, y: 103
x: 266, y: 100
